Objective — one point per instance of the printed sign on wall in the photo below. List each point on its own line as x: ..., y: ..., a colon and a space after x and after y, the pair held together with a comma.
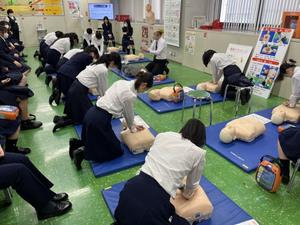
x: 240, y: 54
x: 172, y: 22
x: 267, y: 57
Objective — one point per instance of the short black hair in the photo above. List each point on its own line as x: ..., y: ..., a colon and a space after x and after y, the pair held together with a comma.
x: 89, y: 30
x: 73, y: 37
x: 284, y: 66
x: 59, y: 34
x: 106, y: 18
x: 10, y: 11
x: 98, y: 34
x: 108, y: 58
x: 3, y: 29
x: 207, y: 55
x: 194, y: 130
x: 143, y: 77
x: 92, y: 49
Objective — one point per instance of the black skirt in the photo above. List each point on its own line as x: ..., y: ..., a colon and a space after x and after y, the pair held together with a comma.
x: 229, y: 71
x: 100, y: 141
x: 12, y: 95
x: 77, y: 102
x: 9, y: 127
x: 53, y: 57
x: 144, y: 202
x: 289, y: 141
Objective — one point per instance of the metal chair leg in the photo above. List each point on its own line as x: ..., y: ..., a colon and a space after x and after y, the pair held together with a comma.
x: 211, y: 110
x: 225, y: 95
x: 249, y: 102
x: 183, y: 108
x: 200, y: 107
x: 291, y: 183
x: 237, y: 101
x: 194, y: 107
x: 8, y: 196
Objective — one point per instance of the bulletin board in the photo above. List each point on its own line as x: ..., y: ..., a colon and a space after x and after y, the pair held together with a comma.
x: 172, y: 22
x: 267, y: 57
x: 34, y: 7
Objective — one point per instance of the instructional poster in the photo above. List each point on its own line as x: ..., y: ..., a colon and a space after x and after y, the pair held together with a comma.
x: 240, y: 54
x: 190, y: 42
x: 172, y: 22
x: 35, y: 7
x: 267, y: 57
x: 147, y: 35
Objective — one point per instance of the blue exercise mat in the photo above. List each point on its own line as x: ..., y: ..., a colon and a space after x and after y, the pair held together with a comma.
x: 144, y: 60
x: 226, y: 212
x: 127, y: 160
x: 245, y: 155
x: 123, y: 75
x: 165, y: 106
x: 93, y: 97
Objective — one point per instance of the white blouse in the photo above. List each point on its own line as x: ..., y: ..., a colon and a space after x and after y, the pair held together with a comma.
x: 62, y: 45
x: 170, y: 159
x: 95, y: 77
x: 295, y: 96
x: 119, y: 100
x: 218, y: 62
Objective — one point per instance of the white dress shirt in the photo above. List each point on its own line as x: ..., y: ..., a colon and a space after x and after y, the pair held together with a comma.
x: 119, y: 100
x: 72, y: 52
x: 88, y: 38
x: 295, y: 96
x: 161, y: 50
x: 62, y: 45
x: 98, y: 43
x: 170, y: 159
x: 218, y: 62
x: 95, y: 77
x: 50, y: 38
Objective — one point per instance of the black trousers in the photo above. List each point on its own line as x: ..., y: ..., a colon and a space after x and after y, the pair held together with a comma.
x: 157, y: 66
x: 144, y: 202
x: 17, y: 171
x: 100, y: 141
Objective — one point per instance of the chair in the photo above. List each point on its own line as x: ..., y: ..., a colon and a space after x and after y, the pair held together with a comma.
x: 238, y: 96
x: 198, y: 95
x: 291, y: 183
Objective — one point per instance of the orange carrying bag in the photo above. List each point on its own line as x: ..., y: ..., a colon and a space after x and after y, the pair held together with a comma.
x: 8, y: 112
x: 268, y: 174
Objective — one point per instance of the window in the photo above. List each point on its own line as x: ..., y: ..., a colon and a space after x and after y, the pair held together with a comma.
x: 156, y: 8
x: 253, y: 14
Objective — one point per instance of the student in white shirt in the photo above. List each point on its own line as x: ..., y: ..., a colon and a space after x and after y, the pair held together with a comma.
x: 223, y: 65
x: 87, y: 37
x: 61, y: 47
x: 98, y: 42
x: 94, y: 77
x: 68, y: 56
x: 145, y: 199
x: 99, y: 140
x: 159, y: 49
x: 290, y: 69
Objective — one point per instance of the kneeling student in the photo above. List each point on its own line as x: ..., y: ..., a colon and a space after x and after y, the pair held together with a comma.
x: 224, y: 65
x: 98, y: 138
x: 93, y: 77
x: 291, y: 70
x: 172, y: 157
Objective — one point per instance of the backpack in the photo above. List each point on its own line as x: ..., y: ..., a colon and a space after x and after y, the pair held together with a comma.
x: 268, y: 174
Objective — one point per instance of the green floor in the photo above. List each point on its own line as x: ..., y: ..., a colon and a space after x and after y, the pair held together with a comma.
x: 50, y: 154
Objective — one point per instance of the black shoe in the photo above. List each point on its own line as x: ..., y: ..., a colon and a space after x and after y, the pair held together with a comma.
x: 36, y: 54
x: 32, y: 117
x: 74, y: 144
x: 30, y: 124
x: 48, y: 80
x: 167, y: 70
x: 51, y: 99
x: 78, y: 156
x: 285, y: 180
x: 60, y: 197
x: 53, y: 209
x: 39, y: 70
x: 23, y: 55
x: 57, y: 118
x: 57, y: 97
x: 19, y: 150
x: 243, y: 96
x: 61, y: 124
